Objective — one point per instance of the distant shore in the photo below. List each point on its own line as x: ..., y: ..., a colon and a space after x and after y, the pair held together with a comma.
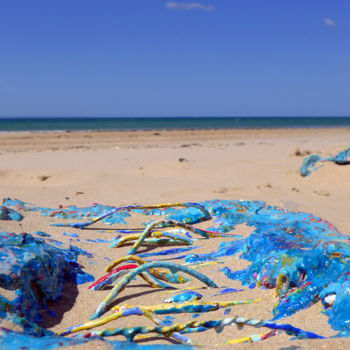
x: 169, y: 123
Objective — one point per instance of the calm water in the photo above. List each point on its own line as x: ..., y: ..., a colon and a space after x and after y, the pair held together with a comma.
x: 47, y: 124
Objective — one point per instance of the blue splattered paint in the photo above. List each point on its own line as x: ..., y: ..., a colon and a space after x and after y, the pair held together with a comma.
x: 172, y: 251
x: 42, y: 234
x: 168, y: 321
x: 36, y: 271
x: 9, y: 214
x: 189, y: 295
x: 227, y: 290
x: 69, y: 234
x: 98, y: 240
x: 309, y: 163
x: 227, y: 311
x: 304, y: 257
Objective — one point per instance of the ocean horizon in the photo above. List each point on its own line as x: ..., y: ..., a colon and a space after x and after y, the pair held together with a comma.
x: 14, y: 124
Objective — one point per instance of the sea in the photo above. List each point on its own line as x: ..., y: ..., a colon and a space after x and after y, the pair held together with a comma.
x: 15, y: 124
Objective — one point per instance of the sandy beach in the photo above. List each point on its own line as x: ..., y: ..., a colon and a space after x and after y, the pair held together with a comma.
x: 150, y: 167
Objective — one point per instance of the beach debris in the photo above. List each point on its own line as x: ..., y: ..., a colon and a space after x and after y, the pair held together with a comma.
x: 70, y: 234
x: 9, y: 214
x: 98, y: 240
x: 43, y: 177
x: 254, y: 338
x: 181, y: 160
x: 42, y: 234
x: 160, y: 309
x: 127, y: 209
x: 108, y: 279
x: 168, y: 321
x: 18, y: 340
x: 201, y: 326
x: 184, y: 296
x: 154, y: 280
x: 167, y: 252
x: 330, y: 299
x: 227, y: 290
x: 309, y: 163
x: 225, y: 249
x: 304, y: 258
x: 168, y: 237
x: 36, y: 270
x: 144, y: 267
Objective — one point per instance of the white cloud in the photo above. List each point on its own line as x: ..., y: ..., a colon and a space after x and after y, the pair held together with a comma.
x: 329, y: 22
x: 187, y: 6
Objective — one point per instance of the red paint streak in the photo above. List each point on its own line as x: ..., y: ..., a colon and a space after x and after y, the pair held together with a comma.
x: 120, y: 268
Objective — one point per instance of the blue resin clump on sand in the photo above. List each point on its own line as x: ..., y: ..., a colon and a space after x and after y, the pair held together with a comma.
x: 9, y: 214
x: 309, y: 163
x: 302, y: 256
x: 36, y: 271
x: 70, y: 212
x: 297, y: 253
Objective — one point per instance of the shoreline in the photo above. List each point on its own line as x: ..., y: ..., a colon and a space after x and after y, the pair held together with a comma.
x: 277, y: 128
x: 95, y: 140
x: 168, y: 123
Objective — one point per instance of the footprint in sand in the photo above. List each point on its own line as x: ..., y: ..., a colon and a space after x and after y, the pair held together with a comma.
x: 300, y: 153
x: 221, y: 190
x: 322, y: 193
x: 225, y: 189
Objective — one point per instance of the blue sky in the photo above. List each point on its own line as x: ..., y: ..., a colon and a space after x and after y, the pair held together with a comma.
x: 174, y: 58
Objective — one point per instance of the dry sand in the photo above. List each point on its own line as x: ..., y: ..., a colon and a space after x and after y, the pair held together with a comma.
x: 149, y: 167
